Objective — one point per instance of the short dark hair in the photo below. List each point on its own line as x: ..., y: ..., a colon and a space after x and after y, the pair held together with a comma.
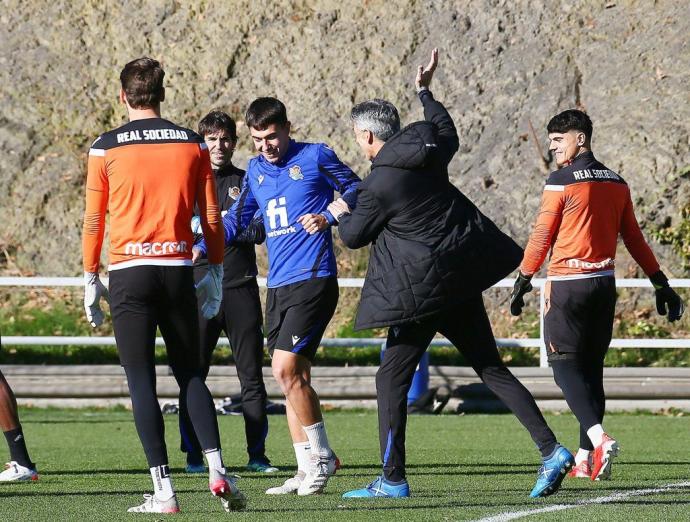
x: 266, y: 111
x: 217, y: 121
x: 572, y: 119
x: 142, y: 81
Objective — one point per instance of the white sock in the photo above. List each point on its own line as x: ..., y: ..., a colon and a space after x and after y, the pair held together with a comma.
x: 316, y: 433
x: 215, y: 461
x: 596, y: 434
x: 303, y: 454
x: 582, y: 455
x: 162, y: 483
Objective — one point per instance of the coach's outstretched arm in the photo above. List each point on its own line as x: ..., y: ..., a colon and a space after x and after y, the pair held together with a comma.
x: 435, y: 112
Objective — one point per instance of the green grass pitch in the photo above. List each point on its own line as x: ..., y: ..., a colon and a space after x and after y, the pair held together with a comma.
x: 460, y: 467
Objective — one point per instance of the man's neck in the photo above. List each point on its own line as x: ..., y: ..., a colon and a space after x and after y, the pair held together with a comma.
x: 143, y: 114
x: 376, y: 148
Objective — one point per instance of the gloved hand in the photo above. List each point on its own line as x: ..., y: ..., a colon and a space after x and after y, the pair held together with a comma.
x: 209, y: 291
x: 93, y: 291
x: 196, y: 225
x: 520, y: 288
x: 666, y: 298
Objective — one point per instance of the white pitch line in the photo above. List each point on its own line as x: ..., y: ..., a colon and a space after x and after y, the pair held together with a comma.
x: 616, y: 497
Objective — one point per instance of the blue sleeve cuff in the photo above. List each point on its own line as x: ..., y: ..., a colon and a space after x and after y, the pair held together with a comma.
x: 329, y: 217
x: 201, y: 245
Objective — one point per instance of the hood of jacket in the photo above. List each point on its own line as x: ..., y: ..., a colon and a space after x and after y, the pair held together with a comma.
x: 411, y: 148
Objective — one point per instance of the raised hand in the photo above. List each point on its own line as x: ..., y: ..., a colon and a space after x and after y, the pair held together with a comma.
x: 425, y: 74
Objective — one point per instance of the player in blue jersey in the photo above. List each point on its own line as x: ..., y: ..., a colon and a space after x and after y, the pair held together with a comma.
x: 292, y: 183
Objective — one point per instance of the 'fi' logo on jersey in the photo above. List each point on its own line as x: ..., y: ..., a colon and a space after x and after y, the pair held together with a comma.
x: 296, y: 173
x: 233, y: 192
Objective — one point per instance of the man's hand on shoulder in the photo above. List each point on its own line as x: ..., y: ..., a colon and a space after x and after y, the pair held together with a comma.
x: 425, y: 74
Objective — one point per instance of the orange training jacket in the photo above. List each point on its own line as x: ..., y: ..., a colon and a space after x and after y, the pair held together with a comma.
x: 148, y: 174
x: 584, y: 207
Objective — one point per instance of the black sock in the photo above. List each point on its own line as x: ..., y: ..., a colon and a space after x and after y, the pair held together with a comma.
x: 548, y: 449
x: 17, y: 445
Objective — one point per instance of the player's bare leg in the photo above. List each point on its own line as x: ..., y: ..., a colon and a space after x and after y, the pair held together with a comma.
x: 20, y: 467
x: 293, y: 374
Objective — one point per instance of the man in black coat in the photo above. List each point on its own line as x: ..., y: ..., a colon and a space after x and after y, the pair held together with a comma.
x: 240, y: 311
x: 433, y: 253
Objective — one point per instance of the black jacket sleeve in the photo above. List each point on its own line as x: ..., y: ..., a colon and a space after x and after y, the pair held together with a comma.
x: 436, y: 113
x: 365, y: 223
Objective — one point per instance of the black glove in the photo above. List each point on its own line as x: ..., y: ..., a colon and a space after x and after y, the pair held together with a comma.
x: 521, y: 287
x: 666, y: 298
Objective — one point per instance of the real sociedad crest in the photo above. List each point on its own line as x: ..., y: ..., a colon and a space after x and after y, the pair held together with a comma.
x: 296, y: 173
x: 233, y: 192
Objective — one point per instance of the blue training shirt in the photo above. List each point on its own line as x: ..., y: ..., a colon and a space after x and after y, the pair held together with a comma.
x: 302, y: 182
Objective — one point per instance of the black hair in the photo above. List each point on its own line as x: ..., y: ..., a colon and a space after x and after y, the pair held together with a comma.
x: 572, y: 119
x: 263, y: 112
x: 216, y: 121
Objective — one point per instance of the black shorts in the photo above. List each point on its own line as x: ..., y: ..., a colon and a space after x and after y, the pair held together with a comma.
x: 143, y: 298
x: 297, y: 315
x: 579, y: 314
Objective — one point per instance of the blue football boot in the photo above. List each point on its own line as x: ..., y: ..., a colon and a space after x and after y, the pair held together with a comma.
x: 381, y: 488
x: 552, y: 472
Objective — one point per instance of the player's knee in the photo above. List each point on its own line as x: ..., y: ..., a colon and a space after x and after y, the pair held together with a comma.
x: 286, y: 377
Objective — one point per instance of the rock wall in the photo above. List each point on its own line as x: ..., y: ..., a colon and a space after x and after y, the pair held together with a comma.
x: 504, y: 64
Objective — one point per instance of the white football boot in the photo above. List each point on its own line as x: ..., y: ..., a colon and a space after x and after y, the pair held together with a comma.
x: 153, y: 505
x: 17, y: 473
x: 290, y: 486
x: 320, y: 470
x: 224, y: 487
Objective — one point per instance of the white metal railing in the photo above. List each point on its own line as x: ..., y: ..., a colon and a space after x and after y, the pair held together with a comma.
x: 534, y: 342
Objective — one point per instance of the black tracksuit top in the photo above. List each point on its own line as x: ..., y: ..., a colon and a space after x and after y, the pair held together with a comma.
x: 239, y: 261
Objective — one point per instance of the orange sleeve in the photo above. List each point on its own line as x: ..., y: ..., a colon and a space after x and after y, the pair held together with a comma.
x: 547, y: 224
x: 207, y: 202
x: 635, y: 241
x: 94, y: 214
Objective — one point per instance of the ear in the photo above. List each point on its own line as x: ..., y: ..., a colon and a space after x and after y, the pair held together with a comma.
x: 581, y: 139
x: 123, y: 97
x: 288, y: 126
x: 370, y: 137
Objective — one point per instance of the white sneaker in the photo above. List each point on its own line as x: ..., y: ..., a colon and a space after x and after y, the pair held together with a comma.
x: 153, y: 505
x: 16, y: 473
x: 320, y: 469
x: 225, y: 488
x: 290, y: 486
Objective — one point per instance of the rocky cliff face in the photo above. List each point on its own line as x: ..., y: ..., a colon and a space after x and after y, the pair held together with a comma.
x: 504, y: 64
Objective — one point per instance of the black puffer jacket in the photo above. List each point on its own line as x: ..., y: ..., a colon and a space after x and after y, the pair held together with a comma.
x: 431, y: 245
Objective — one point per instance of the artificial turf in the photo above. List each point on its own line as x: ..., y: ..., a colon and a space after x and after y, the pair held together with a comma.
x: 460, y: 467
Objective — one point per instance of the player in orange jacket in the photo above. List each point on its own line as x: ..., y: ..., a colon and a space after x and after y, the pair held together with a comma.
x: 149, y: 174
x: 585, y: 206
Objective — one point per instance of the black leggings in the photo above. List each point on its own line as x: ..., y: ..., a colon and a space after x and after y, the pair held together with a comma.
x: 467, y: 326
x: 241, y: 320
x: 581, y: 379
x: 143, y: 298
